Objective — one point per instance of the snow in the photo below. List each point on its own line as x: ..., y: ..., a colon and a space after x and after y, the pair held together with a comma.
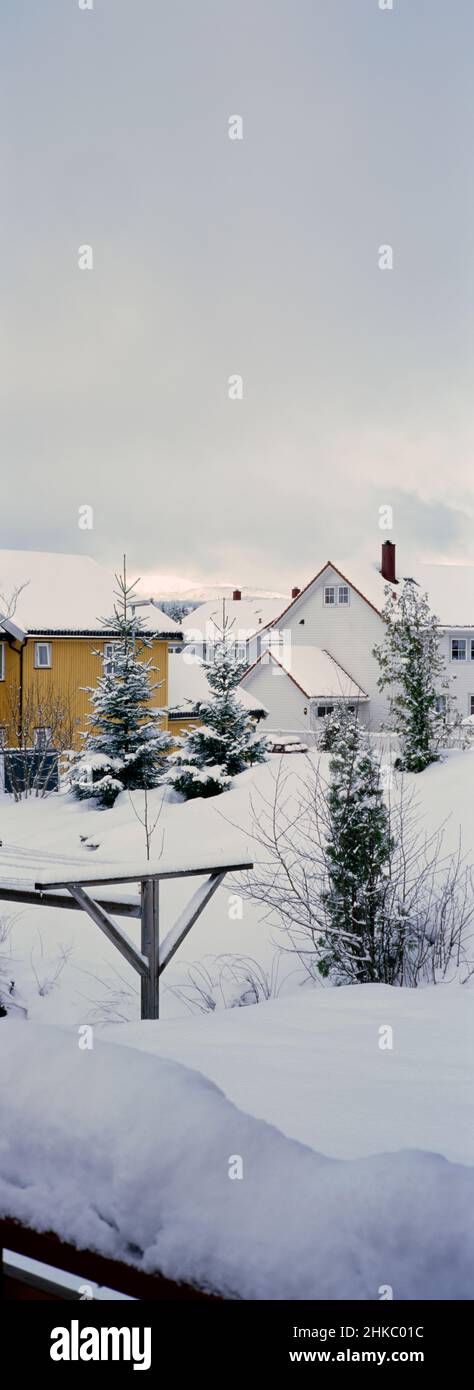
x: 74, y: 871
x: 66, y: 593
x: 187, y: 684
x: 450, y: 587
x: 134, y: 1153
x: 317, y: 674
x: 310, y: 1063
x: 49, y: 840
x: 357, y: 1159
x: 244, y: 617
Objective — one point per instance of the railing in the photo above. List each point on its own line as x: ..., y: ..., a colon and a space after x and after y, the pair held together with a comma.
x: 86, y: 1265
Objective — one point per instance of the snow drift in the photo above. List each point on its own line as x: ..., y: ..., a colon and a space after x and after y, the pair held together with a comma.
x: 129, y: 1153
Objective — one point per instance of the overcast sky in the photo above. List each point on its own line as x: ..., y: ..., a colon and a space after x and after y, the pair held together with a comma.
x: 256, y: 257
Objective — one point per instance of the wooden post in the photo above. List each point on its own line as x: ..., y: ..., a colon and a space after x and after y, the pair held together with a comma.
x: 150, y: 946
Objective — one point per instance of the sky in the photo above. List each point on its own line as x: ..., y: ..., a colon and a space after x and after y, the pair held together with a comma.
x: 216, y: 258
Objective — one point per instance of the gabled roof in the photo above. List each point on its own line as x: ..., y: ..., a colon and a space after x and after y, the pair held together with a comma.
x: 450, y: 587
x: 187, y: 685
x: 329, y: 565
x: 244, y: 616
x: 314, y: 672
x: 67, y: 594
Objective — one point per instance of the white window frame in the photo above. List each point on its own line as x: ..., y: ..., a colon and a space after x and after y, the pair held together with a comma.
x: 2, y: 660
x: 343, y: 589
x: 40, y: 743
x: 472, y: 648
x: 329, y: 589
x: 459, y: 640
x: 441, y: 704
x: 470, y: 704
x: 43, y: 665
x: 326, y: 706
x: 109, y: 656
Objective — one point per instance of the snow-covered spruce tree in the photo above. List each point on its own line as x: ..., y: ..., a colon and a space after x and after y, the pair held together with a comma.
x: 358, y: 850
x: 333, y: 726
x: 411, y: 666
x: 227, y: 742
x: 125, y: 748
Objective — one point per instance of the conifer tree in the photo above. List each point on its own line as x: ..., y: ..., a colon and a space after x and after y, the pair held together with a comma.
x: 358, y: 850
x: 411, y: 666
x: 227, y: 742
x: 125, y: 747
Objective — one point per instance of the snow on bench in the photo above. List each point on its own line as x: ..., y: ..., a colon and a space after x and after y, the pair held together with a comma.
x: 145, y: 1160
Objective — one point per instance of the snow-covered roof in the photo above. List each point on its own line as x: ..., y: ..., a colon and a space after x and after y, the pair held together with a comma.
x: 243, y: 616
x: 65, y: 593
x: 450, y: 587
x: 313, y: 671
x: 187, y: 685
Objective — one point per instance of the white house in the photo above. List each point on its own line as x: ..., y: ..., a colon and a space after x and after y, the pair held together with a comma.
x: 299, y: 686
x: 321, y: 648
x: 244, y: 621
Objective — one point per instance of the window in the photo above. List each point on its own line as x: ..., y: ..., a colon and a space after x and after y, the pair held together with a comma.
x: 109, y: 657
x: 343, y: 593
x: 42, y: 655
x: 42, y: 737
x: 458, y: 648
x: 329, y: 595
x: 472, y: 648
x: 2, y: 661
x: 323, y: 710
x: 440, y: 705
x: 471, y: 704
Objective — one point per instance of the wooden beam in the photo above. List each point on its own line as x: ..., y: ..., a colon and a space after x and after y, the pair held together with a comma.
x: 39, y: 899
x: 143, y: 875
x: 110, y: 929
x: 189, y: 916
x: 150, y: 943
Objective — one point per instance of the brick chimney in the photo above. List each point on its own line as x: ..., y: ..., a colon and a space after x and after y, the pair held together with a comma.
x: 388, y: 566
x: 295, y: 592
x: 237, y: 594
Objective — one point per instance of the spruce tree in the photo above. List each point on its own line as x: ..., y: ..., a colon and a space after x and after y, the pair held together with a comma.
x: 412, y: 666
x: 227, y: 742
x: 125, y: 748
x: 358, y: 850
x: 333, y: 726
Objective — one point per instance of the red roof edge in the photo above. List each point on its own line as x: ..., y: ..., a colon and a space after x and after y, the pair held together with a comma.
x: 328, y: 565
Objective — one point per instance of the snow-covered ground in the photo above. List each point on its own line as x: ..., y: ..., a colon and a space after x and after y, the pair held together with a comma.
x: 66, y: 971
x: 357, y: 1156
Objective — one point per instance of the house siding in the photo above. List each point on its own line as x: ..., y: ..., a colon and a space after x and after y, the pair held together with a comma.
x: 76, y: 663
x: 460, y: 674
x: 271, y: 686
x: 347, y: 632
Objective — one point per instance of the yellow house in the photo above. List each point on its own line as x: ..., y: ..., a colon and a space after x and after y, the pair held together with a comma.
x: 53, y: 644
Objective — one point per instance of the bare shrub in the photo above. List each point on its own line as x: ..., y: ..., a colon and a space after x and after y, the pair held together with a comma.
x: 423, y: 927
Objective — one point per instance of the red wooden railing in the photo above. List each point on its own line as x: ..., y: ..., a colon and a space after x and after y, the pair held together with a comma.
x: 86, y: 1265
